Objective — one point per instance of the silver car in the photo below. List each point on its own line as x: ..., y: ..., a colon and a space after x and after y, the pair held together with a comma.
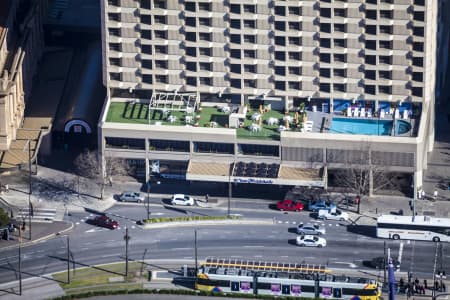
x: 310, y: 229
x: 131, y: 197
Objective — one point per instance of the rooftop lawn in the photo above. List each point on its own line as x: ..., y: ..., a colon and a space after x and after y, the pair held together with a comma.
x: 127, y: 112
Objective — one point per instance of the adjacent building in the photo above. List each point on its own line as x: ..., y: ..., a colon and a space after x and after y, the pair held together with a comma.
x: 21, y: 45
x: 269, y: 92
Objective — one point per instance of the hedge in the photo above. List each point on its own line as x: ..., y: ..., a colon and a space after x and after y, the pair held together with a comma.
x: 192, y: 218
x: 172, y: 292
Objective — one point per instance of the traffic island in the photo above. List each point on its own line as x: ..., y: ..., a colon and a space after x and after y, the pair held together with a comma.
x: 201, y: 221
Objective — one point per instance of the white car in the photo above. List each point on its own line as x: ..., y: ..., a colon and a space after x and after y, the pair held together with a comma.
x: 311, y: 241
x: 326, y: 214
x: 131, y: 197
x: 181, y: 199
x: 311, y: 229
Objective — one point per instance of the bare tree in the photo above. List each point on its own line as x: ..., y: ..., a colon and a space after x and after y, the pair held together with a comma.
x: 89, y: 165
x: 358, y: 170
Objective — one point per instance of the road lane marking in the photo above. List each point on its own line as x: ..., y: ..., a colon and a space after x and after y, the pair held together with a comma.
x: 108, y: 255
x: 252, y: 246
x: 181, y: 249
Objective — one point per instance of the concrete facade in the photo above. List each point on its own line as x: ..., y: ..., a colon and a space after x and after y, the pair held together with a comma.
x: 21, y: 45
x: 287, y: 51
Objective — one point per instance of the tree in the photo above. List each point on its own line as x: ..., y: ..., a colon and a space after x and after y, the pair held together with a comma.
x: 360, y: 174
x: 4, y: 218
x: 89, y: 165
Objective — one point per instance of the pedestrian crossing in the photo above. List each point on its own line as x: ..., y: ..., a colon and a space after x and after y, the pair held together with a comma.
x: 39, y: 214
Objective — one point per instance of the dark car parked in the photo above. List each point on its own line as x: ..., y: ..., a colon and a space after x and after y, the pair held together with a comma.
x: 104, y: 221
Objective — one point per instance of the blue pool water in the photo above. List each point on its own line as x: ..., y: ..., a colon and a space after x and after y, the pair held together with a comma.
x: 368, y: 126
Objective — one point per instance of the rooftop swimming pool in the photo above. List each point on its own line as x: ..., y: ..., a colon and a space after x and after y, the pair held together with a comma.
x: 368, y: 126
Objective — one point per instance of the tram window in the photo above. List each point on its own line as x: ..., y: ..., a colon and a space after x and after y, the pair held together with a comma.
x: 235, y: 286
x: 308, y: 288
x: 285, y: 289
x: 246, y: 286
x: 337, y: 293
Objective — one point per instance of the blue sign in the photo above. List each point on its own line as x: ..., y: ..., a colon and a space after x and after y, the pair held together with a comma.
x: 173, y: 176
x: 253, y: 181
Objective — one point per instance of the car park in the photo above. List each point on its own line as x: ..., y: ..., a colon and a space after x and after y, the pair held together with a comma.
x: 104, y: 221
x: 315, y: 206
x: 311, y: 241
x: 131, y: 197
x: 310, y: 229
x: 181, y: 199
x: 332, y: 214
x: 290, y: 205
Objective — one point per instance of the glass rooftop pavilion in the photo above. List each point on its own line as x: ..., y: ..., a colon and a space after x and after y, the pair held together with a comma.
x: 266, y: 119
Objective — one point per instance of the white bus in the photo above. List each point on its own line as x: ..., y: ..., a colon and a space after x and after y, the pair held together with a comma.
x: 423, y: 228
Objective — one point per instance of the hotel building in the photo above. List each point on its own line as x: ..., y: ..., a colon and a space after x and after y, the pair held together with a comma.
x: 269, y: 92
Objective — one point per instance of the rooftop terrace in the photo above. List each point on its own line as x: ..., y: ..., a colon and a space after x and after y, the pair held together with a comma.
x: 264, y: 123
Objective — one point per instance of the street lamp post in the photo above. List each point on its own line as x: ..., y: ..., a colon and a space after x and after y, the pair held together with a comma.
x: 126, y: 238
x: 229, y: 196
x: 148, y: 200
x: 30, y: 207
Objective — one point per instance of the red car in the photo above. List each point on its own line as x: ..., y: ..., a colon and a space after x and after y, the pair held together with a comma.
x: 105, y: 221
x: 290, y: 205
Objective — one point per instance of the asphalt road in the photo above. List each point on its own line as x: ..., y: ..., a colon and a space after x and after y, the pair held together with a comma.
x: 93, y: 245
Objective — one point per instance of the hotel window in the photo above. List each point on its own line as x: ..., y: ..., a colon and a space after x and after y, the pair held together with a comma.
x: 340, y: 57
x: 159, y: 34
x: 294, y: 85
x: 204, y: 6
x: 417, y: 91
x: 294, y: 26
x: 146, y: 64
x: 294, y: 10
x: 191, y: 36
x: 418, y: 46
x: 235, y: 68
x: 115, y: 76
x: 161, y: 49
x: 325, y: 12
x: 371, y: 14
x: 160, y: 19
x: 324, y: 87
x: 370, y: 74
x: 249, y: 24
x: 325, y: 43
x: 417, y: 76
x: 385, y: 44
x: 205, y: 81
x: 235, y: 38
x: 250, y: 68
x: 295, y: 56
x: 294, y: 41
x: 114, y: 17
x: 386, y: 14
x: 371, y: 29
x: 204, y: 21
x: 235, y: 83
x: 161, y: 64
x: 191, y: 51
x: 385, y: 75
x: 235, y: 53
x: 191, y: 66
x: 385, y: 89
x: 386, y: 29
x: 294, y: 70
x: 280, y: 70
x: 418, y: 61
x: 324, y: 72
x: 340, y: 43
x: 146, y: 49
x: 236, y: 24
x: 160, y: 4
x: 146, y: 34
x: 113, y: 2
x: 325, y: 57
x: 249, y: 8
x: 325, y: 27
x: 146, y: 19
x: 280, y: 26
x: 235, y: 8
x: 114, y: 47
x: 161, y: 78
x: 204, y: 66
x: 419, y: 16
x: 370, y: 59
x: 189, y: 6
x: 205, y: 36
x: 192, y: 81
x: 114, y: 31
x: 371, y: 44
x: 250, y: 53
x: 113, y: 61
x: 280, y: 10
x: 419, y: 31
x: 369, y: 89
x: 250, y: 83
x: 190, y: 21
x: 205, y: 51
x: 340, y: 72
x: 147, y: 78
x: 340, y: 12
x: 280, y: 40
x: 339, y: 87
x: 340, y: 28
x: 249, y: 39
x: 383, y: 59
x: 280, y: 85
